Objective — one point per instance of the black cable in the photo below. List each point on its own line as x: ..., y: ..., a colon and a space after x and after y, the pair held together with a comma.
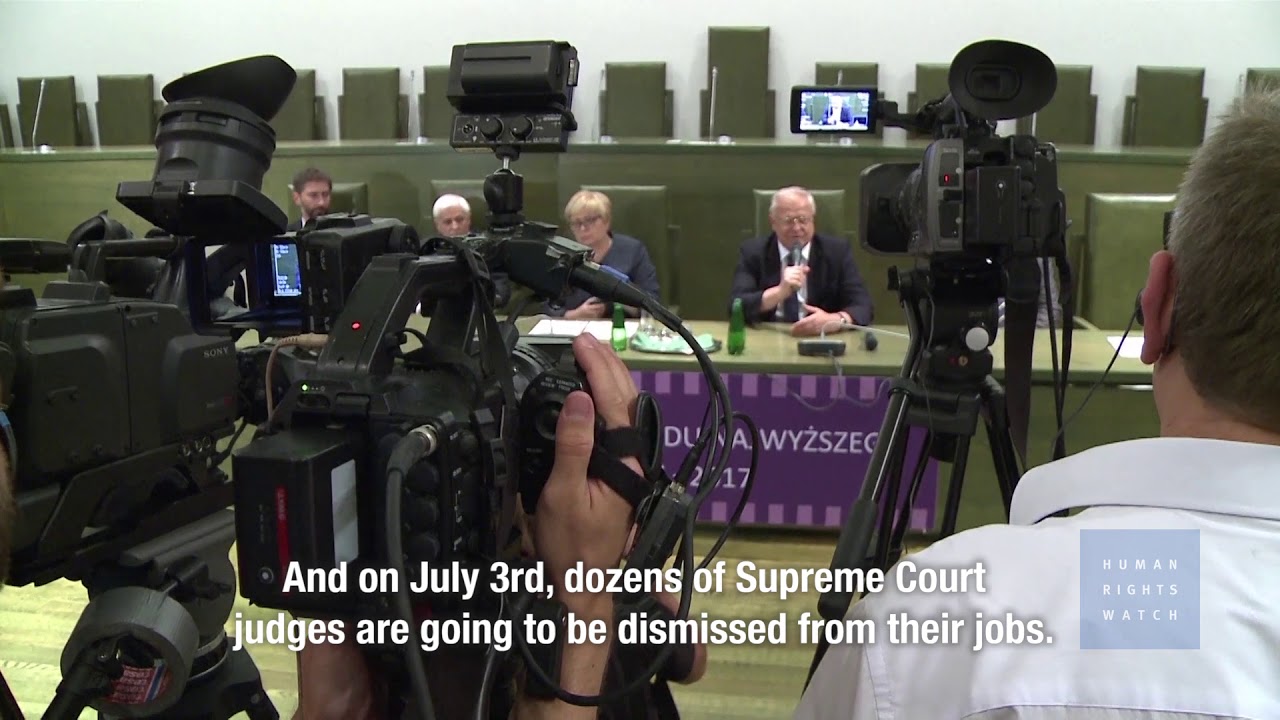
x: 407, y: 451
x: 1098, y: 383
x: 222, y: 456
x: 746, y: 489
x: 1059, y: 396
x: 492, y: 656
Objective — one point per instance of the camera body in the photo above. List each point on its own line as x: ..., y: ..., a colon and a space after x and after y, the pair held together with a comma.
x: 975, y: 195
x: 116, y: 406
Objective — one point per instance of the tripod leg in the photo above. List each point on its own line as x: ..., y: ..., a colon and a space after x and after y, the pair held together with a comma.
x: 886, y: 549
x: 917, y: 479
x: 1004, y: 460
x: 955, y: 487
x: 1003, y: 454
x: 860, y: 526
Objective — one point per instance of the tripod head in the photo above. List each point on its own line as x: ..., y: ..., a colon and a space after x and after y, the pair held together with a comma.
x: 952, y: 313
x: 504, y: 192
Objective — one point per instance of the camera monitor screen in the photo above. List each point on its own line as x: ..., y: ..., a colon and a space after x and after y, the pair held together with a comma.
x: 287, y: 273
x: 833, y: 110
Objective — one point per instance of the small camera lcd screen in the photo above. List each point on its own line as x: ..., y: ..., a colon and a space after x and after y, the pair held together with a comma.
x: 288, y: 274
x: 840, y: 110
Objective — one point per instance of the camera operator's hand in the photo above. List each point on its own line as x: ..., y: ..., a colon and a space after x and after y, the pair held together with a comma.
x: 581, y: 519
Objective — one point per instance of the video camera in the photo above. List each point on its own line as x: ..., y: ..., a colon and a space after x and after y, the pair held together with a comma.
x: 389, y: 460
x: 976, y: 213
x: 380, y: 453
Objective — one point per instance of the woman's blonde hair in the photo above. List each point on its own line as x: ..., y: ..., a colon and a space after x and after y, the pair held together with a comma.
x: 588, y: 202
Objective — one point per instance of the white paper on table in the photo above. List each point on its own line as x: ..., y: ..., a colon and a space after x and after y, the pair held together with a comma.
x: 1130, y: 348
x: 601, y: 329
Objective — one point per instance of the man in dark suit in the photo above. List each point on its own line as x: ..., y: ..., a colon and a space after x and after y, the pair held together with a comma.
x: 797, y: 276
x: 312, y: 189
x: 837, y: 112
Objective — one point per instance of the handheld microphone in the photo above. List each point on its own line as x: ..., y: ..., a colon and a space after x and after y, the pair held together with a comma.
x: 796, y: 258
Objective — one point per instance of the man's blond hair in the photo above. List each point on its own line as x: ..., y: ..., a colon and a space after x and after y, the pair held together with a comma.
x: 1225, y: 240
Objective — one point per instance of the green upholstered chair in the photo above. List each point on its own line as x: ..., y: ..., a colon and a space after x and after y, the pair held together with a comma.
x: 847, y: 75
x: 6, y: 128
x: 1167, y: 108
x: 302, y: 118
x: 371, y: 106
x: 435, y: 114
x: 931, y: 84
x: 345, y: 198
x: 642, y: 211
x: 349, y: 198
x: 1071, y: 117
x: 1121, y: 233
x: 829, y: 221
x: 635, y: 101
x: 744, y: 102
x: 126, y: 110
x: 1256, y: 77
x: 472, y: 190
x: 64, y: 121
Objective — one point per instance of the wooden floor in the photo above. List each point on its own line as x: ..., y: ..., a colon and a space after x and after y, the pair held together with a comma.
x: 742, y: 682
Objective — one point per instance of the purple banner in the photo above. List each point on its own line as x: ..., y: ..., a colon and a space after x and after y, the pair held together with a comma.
x: 817, y: 437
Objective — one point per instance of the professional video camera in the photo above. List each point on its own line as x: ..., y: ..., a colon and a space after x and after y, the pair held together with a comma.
x: 379, y: 458
x: 982, y: 215
x: 117, y: 403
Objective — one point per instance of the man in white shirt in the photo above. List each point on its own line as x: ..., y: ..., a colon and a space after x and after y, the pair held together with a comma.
x: 1158, y: 599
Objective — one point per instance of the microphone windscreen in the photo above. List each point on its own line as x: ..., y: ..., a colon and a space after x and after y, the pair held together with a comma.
x: 869, y: 341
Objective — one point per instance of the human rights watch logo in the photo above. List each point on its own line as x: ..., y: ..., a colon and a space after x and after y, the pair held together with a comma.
x: 1139, y: 589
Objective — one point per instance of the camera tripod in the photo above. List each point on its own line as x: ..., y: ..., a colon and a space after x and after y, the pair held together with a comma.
x: 944, y: 388
x: 152, y: 643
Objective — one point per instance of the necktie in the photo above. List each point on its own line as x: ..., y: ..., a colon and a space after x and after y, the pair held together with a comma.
x: 791, y: 306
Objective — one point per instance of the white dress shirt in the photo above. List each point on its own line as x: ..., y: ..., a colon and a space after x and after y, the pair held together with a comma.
x: 784, y: 254
x: 1229, y: 492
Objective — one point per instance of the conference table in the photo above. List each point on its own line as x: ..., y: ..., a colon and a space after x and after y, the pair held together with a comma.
x: 819, y: 417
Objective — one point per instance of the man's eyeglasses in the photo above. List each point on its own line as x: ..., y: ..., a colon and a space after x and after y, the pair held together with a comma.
x: 797, y: 220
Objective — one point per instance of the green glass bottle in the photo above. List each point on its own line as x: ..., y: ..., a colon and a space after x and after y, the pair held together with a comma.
x: 737, y: 329
x: 619, y: 335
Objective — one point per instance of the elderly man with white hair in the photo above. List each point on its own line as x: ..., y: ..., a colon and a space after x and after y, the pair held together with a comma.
x: 452, y: 216
x: 798, y: 276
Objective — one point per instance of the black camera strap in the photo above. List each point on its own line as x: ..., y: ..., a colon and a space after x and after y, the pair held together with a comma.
x: 1021, y: 309
x: 606, y: 464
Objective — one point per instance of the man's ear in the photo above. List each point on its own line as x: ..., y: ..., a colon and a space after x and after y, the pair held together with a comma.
x: 1157, y: 306
x: 297, y: 199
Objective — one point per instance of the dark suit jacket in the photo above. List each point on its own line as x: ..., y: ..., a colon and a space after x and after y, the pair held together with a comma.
x: 294, y: 226
x: 834, y: 282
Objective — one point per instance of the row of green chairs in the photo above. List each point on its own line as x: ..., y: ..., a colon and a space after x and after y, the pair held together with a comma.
x: 1167, y: 109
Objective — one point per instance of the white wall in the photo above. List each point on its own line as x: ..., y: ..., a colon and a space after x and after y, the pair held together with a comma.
x: 168, y: 37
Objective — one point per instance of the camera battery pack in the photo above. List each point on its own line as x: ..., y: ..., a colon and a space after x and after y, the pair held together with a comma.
x: 296, y: 521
